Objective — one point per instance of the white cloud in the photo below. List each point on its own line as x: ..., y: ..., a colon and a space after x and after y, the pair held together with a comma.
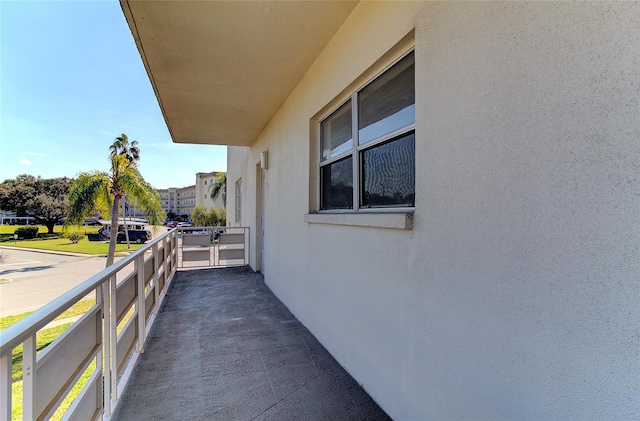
x: 34, y: 153
x: 25, y: 162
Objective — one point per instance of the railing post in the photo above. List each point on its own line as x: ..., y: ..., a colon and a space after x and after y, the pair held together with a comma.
x: 142, y: 314
x: 29, y: 378
x: 106, y: 346
x: 216, y: 257
x: 180, y: 249
x: 156, y: 276
x: 212, y: 251
x: 6, y: 383
x: 113, y: 334
x: 174, y: 247
x: 100, y: 300
x: 166, y: 251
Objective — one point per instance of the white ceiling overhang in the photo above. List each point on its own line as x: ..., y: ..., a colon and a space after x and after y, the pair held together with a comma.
x: 221, y: 69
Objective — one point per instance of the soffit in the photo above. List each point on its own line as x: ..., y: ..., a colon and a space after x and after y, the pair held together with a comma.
x: 220, y: 70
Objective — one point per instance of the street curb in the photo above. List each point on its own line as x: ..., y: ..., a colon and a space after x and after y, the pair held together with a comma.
x: 63, y: 253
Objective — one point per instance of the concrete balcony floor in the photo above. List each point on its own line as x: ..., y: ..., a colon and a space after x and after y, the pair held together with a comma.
x: 225, y: 348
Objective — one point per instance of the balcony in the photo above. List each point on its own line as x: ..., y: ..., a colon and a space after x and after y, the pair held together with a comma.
x: 224, y: 347
x: 178, y: 339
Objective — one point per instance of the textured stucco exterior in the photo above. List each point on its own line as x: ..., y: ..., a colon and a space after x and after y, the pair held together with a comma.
x: 515, y: 295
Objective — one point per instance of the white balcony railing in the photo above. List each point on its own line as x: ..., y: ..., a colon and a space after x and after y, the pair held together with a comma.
x: 213, y: 246
x: 106, y: 341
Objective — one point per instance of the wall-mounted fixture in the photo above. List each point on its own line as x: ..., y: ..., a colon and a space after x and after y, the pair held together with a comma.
x: 264, y: 160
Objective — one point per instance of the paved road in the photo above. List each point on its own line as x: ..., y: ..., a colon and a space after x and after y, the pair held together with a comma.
x: 29, y: 279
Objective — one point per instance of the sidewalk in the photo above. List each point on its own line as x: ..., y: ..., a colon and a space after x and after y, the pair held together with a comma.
x: 62, y: 253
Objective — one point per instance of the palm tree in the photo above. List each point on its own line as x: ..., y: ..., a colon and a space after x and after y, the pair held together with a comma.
x: 131, y: 151
x: 220, y: 187
x: 102, y: 190
x: 121, y: 146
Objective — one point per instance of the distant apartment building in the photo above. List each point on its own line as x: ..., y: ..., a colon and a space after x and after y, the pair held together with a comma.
x: 183, y: 200
x: 11, y: 217
x: 168, y: 199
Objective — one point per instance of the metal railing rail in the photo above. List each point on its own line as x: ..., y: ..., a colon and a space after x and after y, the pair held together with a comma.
x: 110, y: 334
x: 200, y: 247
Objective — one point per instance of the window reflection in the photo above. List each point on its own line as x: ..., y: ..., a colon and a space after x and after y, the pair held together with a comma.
x: 389, y: 173
x: 388, y: 103
x: 337, y: 185
x: 336, y: 132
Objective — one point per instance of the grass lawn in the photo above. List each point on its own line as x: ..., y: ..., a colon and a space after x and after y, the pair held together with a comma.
x: 78, y: 308
x: 43, y: 339
x: 63, y: 244
x: 83, y: 246
x: 9, y: 229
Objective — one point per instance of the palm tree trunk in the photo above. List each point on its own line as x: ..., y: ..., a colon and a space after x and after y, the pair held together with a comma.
x: 114, y: 231
x: 126, y: 229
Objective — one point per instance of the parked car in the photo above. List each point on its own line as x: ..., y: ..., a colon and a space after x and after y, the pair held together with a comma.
x: 135, y: 236
x: 184, y: 224
x: 172, y: 224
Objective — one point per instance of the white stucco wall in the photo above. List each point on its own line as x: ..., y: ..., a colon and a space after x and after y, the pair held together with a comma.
x: 516, y: 295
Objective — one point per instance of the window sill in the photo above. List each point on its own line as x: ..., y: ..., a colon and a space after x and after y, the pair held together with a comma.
x: 400, y: 220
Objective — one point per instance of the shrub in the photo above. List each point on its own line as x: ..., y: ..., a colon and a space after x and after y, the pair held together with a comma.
x: 27, y: 232
x: 74, y: 237
x: 202, y: 217
x: 218, y: 217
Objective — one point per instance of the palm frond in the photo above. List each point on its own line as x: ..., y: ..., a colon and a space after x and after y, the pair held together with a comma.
x: 219, y: 187
x: 86, y: 194
x: 121, y: 146
x: 142, y: 194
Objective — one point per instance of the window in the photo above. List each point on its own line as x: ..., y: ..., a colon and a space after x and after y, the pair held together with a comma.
x: 367, y: 145
x: 205, y: 196
x: 239, y: 202
x: 205, y: 182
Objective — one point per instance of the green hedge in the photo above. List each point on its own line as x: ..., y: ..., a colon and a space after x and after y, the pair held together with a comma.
x: 27, y: 232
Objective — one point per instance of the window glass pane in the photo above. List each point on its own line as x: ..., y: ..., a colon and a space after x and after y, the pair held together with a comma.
x: 388, y: 173
x: 336, y: 132
x: 388, y: 103
x: 337, y: 185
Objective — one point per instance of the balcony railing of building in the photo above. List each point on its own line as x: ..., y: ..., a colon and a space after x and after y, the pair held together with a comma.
x: 213, y: 247
x: 98, y: 351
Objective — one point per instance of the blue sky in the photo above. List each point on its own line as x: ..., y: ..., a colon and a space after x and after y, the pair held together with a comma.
x: 71, y: 80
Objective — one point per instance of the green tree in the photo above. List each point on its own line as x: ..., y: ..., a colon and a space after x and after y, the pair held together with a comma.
x: 43, y: 199
x: 199, y: 216
x: 208, y: 218
x: 219, y: 187
x: 217, y: 217
x: 105, y: 190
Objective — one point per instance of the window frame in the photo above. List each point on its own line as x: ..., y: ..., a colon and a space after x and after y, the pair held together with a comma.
x: 357, y: 149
